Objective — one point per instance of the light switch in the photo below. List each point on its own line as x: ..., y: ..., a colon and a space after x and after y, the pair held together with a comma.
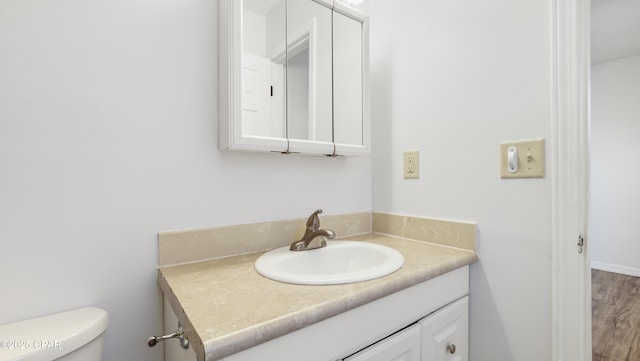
x: 522, y: 159
x: 411, y: 164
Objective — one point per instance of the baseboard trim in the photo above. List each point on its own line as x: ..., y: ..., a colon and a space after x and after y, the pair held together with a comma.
x: 629, y: 271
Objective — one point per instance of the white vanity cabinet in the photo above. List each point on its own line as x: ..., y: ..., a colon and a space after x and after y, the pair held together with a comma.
x: 441, y: 336
x: 420, y: 323
x: 401, y: 346
x: 445, y: 333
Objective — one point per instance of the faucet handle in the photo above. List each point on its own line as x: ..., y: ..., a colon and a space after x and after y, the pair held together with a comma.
x: 313, y: 222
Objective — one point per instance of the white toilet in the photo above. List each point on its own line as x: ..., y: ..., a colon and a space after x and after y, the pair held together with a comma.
x: 76, y: 335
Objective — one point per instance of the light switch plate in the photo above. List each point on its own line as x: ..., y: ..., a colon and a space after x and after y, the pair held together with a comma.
x: 412, y: 164
x: 530, y: 159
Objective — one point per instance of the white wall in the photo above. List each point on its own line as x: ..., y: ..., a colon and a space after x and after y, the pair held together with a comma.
x: 108, y: 134
x: 615, y: 29
x: 453, y: 79
x: 615, y: 197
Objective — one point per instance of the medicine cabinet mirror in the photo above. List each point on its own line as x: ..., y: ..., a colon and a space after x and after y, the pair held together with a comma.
x: 293, y: 77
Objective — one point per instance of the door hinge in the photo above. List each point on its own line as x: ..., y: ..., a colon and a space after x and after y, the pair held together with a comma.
x: 580, y: 243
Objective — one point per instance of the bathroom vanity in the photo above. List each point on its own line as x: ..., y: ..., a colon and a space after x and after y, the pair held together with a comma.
x: 230, y: 312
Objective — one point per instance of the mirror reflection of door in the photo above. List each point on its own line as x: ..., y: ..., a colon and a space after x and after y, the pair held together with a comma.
x: 263, y: 69
x: 309, y: 72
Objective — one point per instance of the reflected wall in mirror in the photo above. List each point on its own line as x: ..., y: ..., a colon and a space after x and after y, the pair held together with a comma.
x: 263, y: 68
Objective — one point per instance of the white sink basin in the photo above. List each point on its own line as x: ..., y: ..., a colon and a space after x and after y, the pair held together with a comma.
x: 338, y: 263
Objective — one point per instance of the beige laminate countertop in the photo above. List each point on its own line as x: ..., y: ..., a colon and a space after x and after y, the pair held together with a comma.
x: 225, y: 306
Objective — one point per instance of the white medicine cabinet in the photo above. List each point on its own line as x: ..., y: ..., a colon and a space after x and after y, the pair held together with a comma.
x: 294, y: 77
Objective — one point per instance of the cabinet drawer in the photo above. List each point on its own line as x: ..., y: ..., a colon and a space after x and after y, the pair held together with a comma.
x: 445, y: 333
x: 401, y: 346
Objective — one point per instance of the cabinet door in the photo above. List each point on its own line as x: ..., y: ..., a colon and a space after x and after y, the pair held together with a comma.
x: 350, y: 81
x: 309, y: 67
x: 401, y: 346
x: 445, y: 333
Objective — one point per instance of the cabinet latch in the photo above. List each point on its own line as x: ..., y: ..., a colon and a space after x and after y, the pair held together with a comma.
x: 580, y: 243
x: 179, y: 334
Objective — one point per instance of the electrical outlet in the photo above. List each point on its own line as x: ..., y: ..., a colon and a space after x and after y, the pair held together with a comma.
x: 411, y: 164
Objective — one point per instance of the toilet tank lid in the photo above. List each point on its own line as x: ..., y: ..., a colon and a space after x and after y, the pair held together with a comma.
x: 52, y: 336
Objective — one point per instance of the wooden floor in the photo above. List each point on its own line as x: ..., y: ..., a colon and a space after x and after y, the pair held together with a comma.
x: 616, y: 316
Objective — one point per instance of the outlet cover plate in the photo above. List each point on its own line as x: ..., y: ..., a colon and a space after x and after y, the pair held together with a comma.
x: 412, y: 164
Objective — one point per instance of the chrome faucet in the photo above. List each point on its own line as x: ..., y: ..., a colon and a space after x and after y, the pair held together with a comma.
x: 312, y: 232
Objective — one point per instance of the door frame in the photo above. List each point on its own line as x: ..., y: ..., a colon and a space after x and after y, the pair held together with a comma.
x: 571, y: 301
